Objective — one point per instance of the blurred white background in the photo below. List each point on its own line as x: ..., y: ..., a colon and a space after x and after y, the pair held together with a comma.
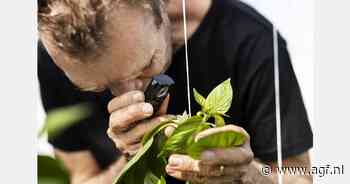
x: 295, y: 20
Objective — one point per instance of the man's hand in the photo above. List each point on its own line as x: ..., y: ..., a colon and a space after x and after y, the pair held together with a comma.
x: 130, y: 120
x: 215, y: 166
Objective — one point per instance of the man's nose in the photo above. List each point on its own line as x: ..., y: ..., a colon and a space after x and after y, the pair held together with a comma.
x: 119, y: 88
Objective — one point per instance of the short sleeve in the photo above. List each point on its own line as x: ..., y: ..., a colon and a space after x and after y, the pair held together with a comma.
x: 257, y: 99
x: 55, y: 95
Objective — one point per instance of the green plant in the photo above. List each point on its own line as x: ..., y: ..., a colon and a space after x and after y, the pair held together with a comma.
x: 52, y: 170
x: 148, y: 165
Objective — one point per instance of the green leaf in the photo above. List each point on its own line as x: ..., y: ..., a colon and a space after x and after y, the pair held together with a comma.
x: 162, y: 180
x: 148, y: 165
x: 61, y: 118
x: 181, y: 118
x: 156, y: 130
x: 144, y: 162
x: 153, y: 179
x: 145, y: 165
x: 199, y: 98
x: 225, y: 139
x: 150, y: 178
x: 179, y: 140
x: 51, y: 171
x: 126, y: 176
x: 219, y: 99
x: 219, y: 120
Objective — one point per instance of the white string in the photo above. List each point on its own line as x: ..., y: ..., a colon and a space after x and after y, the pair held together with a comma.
x: 277, y: 100
x: 186, y: 55
x: 277, y: 88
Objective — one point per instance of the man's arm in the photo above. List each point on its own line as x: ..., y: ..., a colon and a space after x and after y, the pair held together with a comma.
x: 83, y: 168
x: 299, y: 161
x: 302, y: 160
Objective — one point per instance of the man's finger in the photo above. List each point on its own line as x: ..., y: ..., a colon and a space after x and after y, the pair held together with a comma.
x: 196, y: 178
x: 132, y: 149
x: 122, y: 119
x: 183, y: 163
x: 118, y: 143
x: 124, y: 100
x: 169, y: 131
x: 230, y: 156
x: 233, y: 171
x: 226, y: 128
x: 135, y: 134
x: 187, y: 164
x: 186, y: 176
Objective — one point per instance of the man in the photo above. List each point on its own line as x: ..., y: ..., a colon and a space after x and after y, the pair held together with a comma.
x: 114, y: 47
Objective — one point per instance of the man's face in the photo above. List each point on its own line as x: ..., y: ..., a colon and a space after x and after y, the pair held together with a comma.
x: 137, y: 49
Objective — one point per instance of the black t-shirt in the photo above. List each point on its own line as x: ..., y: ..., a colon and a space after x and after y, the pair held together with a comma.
x: 233, y: 41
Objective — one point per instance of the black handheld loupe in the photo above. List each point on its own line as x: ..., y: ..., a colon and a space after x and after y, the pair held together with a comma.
x: 158, y: 90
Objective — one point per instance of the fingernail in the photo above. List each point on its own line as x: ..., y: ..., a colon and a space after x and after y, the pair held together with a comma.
x: 208, y: 155
x: 147, y: 108
x: 174, y: 162
x: 169, y: 131
x: 161, y: 119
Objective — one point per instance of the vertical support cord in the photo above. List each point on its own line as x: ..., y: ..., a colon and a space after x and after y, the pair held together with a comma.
x: 277, y: 88
x: 277, y: 100
x: 186, y: 55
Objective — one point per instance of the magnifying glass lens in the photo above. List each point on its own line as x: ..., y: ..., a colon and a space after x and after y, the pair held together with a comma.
x: 163, y: 92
